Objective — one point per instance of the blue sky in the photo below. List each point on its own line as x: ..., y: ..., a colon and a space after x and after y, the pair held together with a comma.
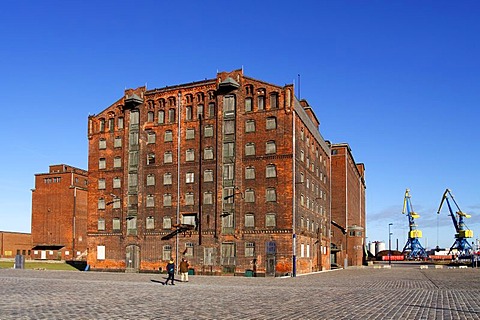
x: 397, y: 80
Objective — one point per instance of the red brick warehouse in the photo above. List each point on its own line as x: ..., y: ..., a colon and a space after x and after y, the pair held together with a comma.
x: 236, y: 165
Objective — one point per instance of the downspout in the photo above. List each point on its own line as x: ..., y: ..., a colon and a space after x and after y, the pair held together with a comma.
x: 294, y: 236
x: 179, y: 133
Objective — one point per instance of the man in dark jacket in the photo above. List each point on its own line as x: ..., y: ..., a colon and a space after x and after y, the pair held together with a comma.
x: 170, y: 271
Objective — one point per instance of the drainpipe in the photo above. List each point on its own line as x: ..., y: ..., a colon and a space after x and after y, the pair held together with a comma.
x: 179, y: 133
x: 294, y: 236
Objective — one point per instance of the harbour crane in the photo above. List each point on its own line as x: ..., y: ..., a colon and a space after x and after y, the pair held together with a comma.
x: 413, y: 249
x: 463, y: 233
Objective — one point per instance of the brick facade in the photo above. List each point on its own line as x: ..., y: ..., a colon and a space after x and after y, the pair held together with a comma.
x: 13, y: 243
x: 348, y: 206
x: 59, y: 214
x: 246, y: 165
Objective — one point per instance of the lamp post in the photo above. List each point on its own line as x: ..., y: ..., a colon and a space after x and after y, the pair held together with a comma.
x: 389, y: 244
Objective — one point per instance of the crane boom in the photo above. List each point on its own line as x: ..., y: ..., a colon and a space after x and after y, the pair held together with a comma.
x: 413, y: 249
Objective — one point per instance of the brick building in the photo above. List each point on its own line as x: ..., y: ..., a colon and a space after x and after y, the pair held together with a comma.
x: 13, y: 243
x: 348, y: 207
x: 59, y: 214
x: 231, y: 173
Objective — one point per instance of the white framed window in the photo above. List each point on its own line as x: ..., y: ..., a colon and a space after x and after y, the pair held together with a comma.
x: 249, y: 220
x: 190, y: 177
x: 151, y: 179
x: 101, y: 224
x: 302, y: 250
x: 167, y: 252
x: 249, y: 173
x: 249, y: 249
x: 151, y: 137
x: 228, y: 171
x: 150, y: 201
x: 167, y: 179
x: 208, y: 175
x: 100, y: 252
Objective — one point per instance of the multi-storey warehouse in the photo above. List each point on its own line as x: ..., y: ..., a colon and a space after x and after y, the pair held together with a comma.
x: 59, y: 214
x: 231, y: 173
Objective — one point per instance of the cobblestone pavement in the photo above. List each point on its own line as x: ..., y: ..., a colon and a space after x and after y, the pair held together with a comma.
x: 355, y: 293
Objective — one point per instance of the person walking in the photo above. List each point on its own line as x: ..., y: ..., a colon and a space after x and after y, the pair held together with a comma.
x: 170, y: 272
x: 184, y: 270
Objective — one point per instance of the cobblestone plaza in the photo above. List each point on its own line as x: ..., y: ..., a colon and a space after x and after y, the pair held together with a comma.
x: 357, y: 293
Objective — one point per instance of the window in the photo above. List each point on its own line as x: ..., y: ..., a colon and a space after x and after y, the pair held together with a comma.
x: 151, y: 137
x: 250, y: 149
x: 248, y: 105
x: 208, y: 131
x: 101, y: 204
x: 168, y: 136
x: 150, y: 116
x: 171, y: 115
x: 229, y: 149
x: 199, y: 110
x: 211, y: 110
x: 190, y: 155
x: 228, y: 195
x: 190, y: 134
x: 101, y: 184
x: 102, y: 144
x: 150, y: 180
x: 271, y: 123
x: 188, y: 113
x: 274, y: 100
x: 120, y: 123
x: 116, y: 224
x: 117, y: 162
x: 250, y: 196
x: 189, y: 249
x: 271, y: 171
x: 168, y: 157
x: 133, y: 138
x: 208, y: 153
x: 271, y: 195
x: 302, y: 200
x: 161, y: 116
x: 302, y: 250
x: 302, y: 156
x: 167, y: 179
x: 249, y: 249
x: 250, y: 126
x: 229, y: 105
x: 249, y: 173
x: 208, y: 175
x: 101, y: 224
x: 111, y: 124
x: 151, y: 158
x: 167, y: 252
x: 167, y: 200
x: 116, y: 203
x: 228, y: 171
x: 102, y: 163
x: 261, y: 102
x: 190, y: 219
x: 270, y: 220
x: 308, y: 251
x: 117, y: 143
x: 133, y: 159
x: 167, y: 223
x: 190, y: 177
x: 189, y: 199
x: 227, y: 254
x: 271, y: 147
x: 117, y: 183
x: 150, y: 223
x: 229, y: 127
x: 150, y: 201
x: 249, y: 220
x: 207, y: 198
x: 102, y: 125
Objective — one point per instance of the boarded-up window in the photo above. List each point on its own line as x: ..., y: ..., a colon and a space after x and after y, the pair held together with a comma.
x: 208, y: 175
x: 249, y: 173
x: 151, y: 137
x: 271, y: 123
x: 101, y: 184
x: 168, y: 136
x: 100, y: 252
x: 117, y: 183
x: 208, y: 131
x: 249, y: 220
x: 190, y: 134
x: 150, y: 201
x: 207, y: 198
x: 270, y: 220
x: 167, y: 200
x: 151, y: 180
x: 250, y: 196
x: 271, y: 171
x: 168, y: 157
x: 248, y: 105
x: 167, y: 223
x: 250, y: 149
x: 271, y: 147
x: 150, y: 223
x: 189, y: 199
x: 250, y: 126
x: 101, y: 224
x: 167, y: 179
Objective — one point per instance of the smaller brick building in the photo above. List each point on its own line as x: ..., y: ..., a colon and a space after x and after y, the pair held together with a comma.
x: 13, y: 243
x: 59, y: 214
x: 348, y: 207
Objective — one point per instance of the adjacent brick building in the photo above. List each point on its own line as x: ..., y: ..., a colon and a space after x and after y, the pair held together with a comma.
x: 13, y: 243
x: 231, y: 173
x: 348, y: 207
x: 59, y: 214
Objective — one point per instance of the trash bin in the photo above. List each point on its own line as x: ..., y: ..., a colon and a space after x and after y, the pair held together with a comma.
x: 191, y: 272
x: 19, y: 261
x: 248, y: 273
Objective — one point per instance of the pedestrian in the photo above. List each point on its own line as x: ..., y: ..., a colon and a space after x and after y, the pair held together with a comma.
x: 170, y: 272
x: 184, y: 269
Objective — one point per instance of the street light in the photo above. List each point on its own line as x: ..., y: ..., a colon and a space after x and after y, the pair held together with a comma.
x: 389, y: 244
